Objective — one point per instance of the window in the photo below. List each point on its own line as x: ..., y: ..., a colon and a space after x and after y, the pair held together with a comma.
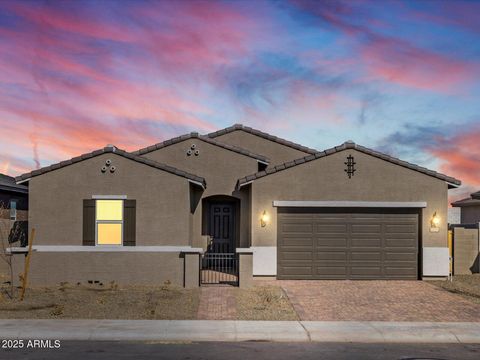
x: 13, y: 210
x: 109, y: 222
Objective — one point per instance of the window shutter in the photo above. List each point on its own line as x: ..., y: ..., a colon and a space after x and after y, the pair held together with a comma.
x: 129, y: 222
x: 89, y: 222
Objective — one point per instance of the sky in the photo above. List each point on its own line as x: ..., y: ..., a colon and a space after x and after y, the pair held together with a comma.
x: 401, y: 77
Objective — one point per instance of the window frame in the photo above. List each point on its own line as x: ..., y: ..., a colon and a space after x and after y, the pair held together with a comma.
x: 121, y: 222
x: 13, y: 210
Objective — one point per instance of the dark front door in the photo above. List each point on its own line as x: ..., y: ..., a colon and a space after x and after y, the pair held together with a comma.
x: 222, y: 228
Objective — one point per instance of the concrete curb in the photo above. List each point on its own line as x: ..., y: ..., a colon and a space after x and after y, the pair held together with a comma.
x: 279, y: 331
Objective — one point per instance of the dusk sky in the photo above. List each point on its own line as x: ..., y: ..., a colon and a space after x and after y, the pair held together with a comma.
x: 402, y: 77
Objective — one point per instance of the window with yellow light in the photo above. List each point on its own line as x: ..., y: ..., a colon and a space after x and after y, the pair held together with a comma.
x: 109, y: 222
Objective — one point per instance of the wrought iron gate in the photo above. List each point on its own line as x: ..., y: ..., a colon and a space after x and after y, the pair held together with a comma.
x: 219, y: 268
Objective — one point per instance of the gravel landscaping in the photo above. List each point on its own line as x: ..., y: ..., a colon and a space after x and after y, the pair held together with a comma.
x: 93, y: 301
x: 467, y: 286
x: 102, y: 302
x: 264, y: 303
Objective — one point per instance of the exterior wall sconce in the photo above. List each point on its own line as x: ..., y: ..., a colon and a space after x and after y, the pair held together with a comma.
x: 435, y: 223
x: 264, y: 219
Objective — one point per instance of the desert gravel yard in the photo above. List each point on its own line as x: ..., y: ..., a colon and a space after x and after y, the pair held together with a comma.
x: 264, y: 303
x: 467, y: 286
x: 456, y: 301
x: 155, y: 303
x: 98, y: 302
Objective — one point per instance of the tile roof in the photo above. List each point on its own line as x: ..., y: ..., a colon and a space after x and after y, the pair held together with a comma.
x: 348, y: 145
x: 8, y: 183
x: 473, y: 200
x: 475, y: 195
x: 112, y: 149
x: 195, y: 135
x: 466, y: 202
x: 262, y: 135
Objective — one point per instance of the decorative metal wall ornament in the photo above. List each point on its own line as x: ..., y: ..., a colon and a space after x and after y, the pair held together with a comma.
x: 108, y: 165
x: 192, y: 150
x: 350, y: 170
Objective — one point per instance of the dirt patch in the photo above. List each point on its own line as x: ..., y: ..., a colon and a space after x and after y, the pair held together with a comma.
x: 264, y: 303
x: 467, y: 286
x: 103, y: 302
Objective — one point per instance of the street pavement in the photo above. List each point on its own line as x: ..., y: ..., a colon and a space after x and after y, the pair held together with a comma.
x: 99, y: 350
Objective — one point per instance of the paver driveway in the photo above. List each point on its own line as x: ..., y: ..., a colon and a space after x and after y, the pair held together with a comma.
x: 376, y: 301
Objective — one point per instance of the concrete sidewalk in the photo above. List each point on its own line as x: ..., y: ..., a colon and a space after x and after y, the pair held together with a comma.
x: 199, y: 330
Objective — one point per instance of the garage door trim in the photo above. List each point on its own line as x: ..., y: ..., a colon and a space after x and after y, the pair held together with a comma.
x: 350, y: 204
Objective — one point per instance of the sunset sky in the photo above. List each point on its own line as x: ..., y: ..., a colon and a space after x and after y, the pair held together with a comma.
x: 402, y: 77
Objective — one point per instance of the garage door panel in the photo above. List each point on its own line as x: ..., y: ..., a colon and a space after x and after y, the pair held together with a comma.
x: 300, y: 255
x: 400, y: 243
x: 401, y: 256
x: 297, y: 270
x: 331, y: 242
x: 374, y: 271
x: 353, y: 245
x: 331, y: 255
x: 402, y: 272
x: 330, y: 228
x: 297, y: 228
x: 289, y: 241
x: 366, y: 228
x: 331, y: 270
x: 366, y: 242
x: 400, y: 228
x: 365, y: 256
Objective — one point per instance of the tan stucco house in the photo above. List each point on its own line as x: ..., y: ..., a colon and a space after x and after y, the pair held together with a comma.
x: 144, y: 217
x: 469, y: 209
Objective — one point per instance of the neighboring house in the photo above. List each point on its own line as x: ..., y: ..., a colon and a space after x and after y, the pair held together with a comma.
x: 344, y: 213
x: 13, y: 214
x: 13, y: 199
x: 469, y: 209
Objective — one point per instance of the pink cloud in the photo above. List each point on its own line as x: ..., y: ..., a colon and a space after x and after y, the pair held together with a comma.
x: 399, y: 62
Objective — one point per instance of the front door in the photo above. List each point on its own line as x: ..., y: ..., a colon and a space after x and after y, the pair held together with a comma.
x: 222, y: 228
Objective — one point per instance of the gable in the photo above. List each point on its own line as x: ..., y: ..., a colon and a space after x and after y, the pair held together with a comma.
x: 278, y: 150
x: 375, y: 157
x: 219, y: 166
x: 111, y: 150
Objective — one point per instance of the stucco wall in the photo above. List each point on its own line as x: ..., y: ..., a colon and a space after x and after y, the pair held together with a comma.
x: 124, y: 268
x: 277, y: 153
x: 220, y: 167
x: 324, y: 179
x: 470, y: 214
x: 163, y: 204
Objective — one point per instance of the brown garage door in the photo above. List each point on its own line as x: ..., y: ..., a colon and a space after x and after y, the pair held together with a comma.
x: 316, y: 243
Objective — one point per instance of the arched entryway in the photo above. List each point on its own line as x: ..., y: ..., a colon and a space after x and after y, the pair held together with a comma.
x: 221, y: 222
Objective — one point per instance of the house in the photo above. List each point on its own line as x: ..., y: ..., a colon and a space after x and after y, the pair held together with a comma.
x: 13, y: 205
x: 13, y: 214
x: 13, y: 199
x: 146, y: 217
x: 469, y: 209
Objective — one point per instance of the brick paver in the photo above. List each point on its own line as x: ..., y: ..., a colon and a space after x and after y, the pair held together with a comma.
x: 376, y: 301
x: 217, y: 303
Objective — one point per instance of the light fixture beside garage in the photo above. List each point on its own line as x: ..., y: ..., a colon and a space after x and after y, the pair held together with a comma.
x: 264, y: 219
x: 435, y: 223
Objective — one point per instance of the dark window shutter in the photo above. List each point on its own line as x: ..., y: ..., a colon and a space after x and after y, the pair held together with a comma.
x: 89, y: 222
x: 129, y: 222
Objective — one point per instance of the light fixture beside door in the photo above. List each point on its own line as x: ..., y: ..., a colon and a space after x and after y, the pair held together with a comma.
x: 264, y: 219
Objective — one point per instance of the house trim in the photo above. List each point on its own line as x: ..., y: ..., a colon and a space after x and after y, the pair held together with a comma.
x: 106, y: 248
x: 349, y: 204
